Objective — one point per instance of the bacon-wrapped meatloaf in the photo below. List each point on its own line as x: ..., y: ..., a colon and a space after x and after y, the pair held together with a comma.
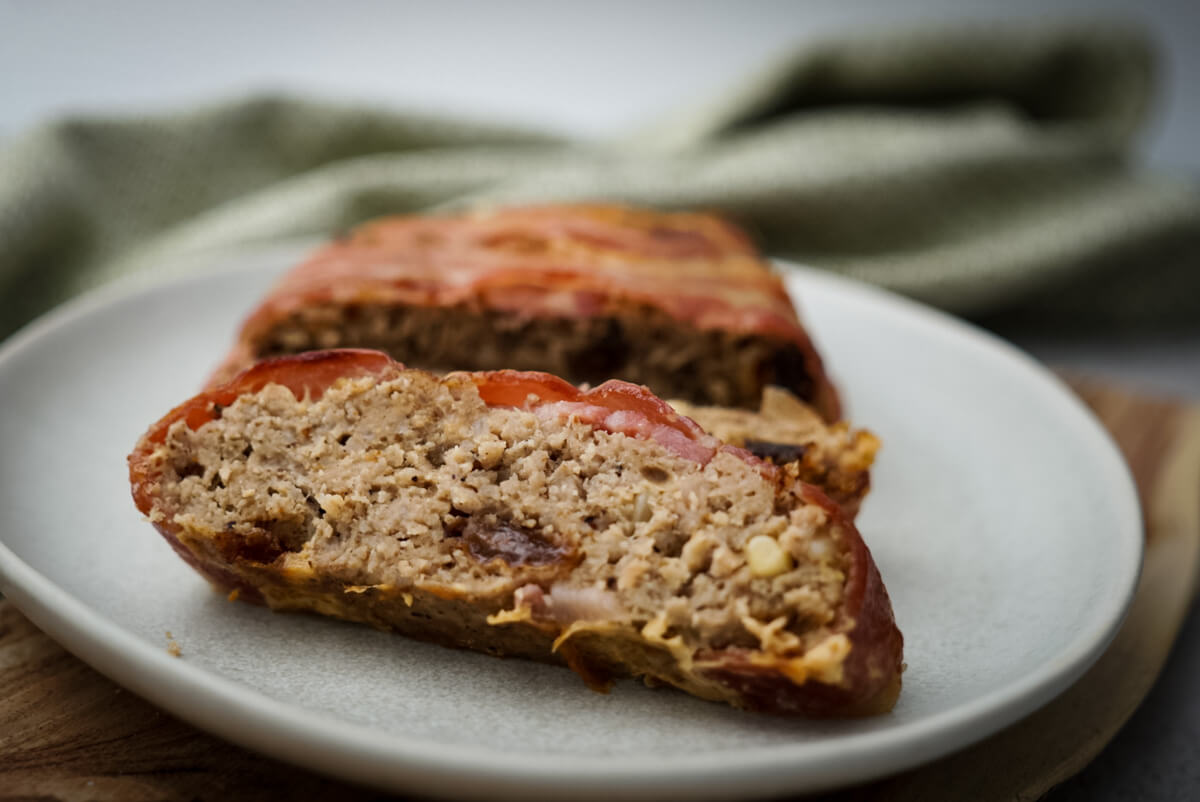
x: 516, y: 514
x: 680, y: 302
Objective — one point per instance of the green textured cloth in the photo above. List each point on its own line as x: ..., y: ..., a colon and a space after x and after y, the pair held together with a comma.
x: 985, y: 170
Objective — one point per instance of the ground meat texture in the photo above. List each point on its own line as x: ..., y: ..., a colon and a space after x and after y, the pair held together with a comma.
x: 642, y: 345
x: 407, y: 502
x: 789, y: 433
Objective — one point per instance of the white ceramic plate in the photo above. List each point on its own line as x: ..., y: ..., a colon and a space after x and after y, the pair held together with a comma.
x: 1004, y: 523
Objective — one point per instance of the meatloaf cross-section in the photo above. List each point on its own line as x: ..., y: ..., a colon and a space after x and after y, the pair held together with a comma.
x: 516, y: 514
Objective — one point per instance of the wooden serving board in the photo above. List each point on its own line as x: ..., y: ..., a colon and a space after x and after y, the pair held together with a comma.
x: 67, y: 733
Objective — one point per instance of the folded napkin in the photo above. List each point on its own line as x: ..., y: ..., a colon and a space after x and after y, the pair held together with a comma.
x: 985, y: 170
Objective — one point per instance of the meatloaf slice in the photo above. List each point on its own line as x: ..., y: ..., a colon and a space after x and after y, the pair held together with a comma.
x: 681, y: 302
x: 516, y: 514
x: 789, y: 433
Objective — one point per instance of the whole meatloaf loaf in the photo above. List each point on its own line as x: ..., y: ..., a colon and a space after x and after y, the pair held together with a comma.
x: 515, y: 514
x: 681, y: 302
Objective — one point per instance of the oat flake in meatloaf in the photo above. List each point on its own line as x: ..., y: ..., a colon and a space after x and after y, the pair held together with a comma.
x: 516, y: 514
x: 681, y: 302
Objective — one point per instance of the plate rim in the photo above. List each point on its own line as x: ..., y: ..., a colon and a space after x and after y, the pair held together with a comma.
x: 322, y: 741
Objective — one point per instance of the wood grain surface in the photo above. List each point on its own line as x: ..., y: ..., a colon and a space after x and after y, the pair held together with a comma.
x: 67, y: 733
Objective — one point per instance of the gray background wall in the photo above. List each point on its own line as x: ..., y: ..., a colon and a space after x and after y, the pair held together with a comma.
x: 585, y: 68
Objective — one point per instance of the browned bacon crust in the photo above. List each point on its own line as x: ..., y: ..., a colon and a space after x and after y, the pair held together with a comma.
x: 584, y: 290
